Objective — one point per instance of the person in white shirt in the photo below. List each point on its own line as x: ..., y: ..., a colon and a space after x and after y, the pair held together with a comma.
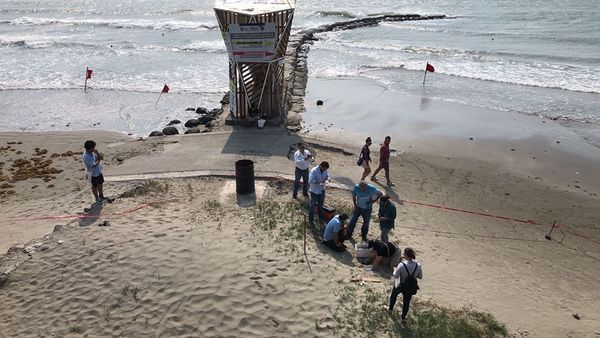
x: 302, y: 158
x: 317, y: 178
x: 408, y: 267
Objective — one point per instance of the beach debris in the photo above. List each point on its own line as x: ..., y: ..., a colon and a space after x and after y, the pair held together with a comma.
x: 105, y: 223
x: 44, y: 248
x: 176, y: 121
x: 190, y: 109
x: 557, y: 141
x: 156, y: 133
x: 31, y: 248
x: 202, y: 110
x: 512, y: 149
x: 319, y: 102
x: 60, y: 242
x: 170, y: 131
x: 470, y: 138
x: 191, y: 123
x: 3, y: 278
x: 576, y: 316
x: 193, y: 130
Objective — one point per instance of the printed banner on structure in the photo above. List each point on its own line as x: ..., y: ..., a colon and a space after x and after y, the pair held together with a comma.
x: 254, y: 42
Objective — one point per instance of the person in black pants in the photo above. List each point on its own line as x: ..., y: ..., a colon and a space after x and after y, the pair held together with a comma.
x: 302, y: 159
x: 405, y: 269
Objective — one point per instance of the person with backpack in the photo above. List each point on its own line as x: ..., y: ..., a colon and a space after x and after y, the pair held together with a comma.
x: 406, y: 274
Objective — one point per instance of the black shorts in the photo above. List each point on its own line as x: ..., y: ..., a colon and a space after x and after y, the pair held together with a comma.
x: 97, y: 180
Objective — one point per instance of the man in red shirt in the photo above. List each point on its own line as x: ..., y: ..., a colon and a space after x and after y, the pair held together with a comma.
x: 384, y: 161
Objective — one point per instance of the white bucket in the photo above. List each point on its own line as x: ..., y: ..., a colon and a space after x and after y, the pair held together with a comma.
x: 261, y: 123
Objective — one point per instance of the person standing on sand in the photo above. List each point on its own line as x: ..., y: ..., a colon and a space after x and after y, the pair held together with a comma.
x: 363, y: 197
x: 317, y: 178
x: 365, y: 154
x: 302, y: 159
x: 387, y: 216
x: 335, y: 232
x: 384, y: 161
x: 406, y: 273
x: 91, y: 159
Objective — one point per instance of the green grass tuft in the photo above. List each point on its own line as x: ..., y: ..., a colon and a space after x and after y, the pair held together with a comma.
x: 361, y: 312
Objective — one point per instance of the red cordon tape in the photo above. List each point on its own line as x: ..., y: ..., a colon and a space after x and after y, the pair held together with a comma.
x: 477, y: 213
x: 141, y: 206
x: 498, y: 217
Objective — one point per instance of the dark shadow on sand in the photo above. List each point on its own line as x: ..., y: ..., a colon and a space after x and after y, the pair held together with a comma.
x: 246, y: 200
x: 90, y: 215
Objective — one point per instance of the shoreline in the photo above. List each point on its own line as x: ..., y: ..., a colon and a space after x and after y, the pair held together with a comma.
x: 565, y: 156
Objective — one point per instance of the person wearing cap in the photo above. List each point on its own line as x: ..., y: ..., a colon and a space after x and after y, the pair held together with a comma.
x: 363, y: 197
x: 387, y: 215
x: 91, y: 159
x: 302, y: 159
x: 335, y: 232
x: 317, y: 178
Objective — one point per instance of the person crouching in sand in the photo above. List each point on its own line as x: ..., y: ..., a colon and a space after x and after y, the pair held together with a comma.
x: 406, y: 273
x: 335, y: 232
x: 383, y: 250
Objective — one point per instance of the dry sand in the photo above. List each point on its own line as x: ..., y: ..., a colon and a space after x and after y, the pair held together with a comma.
x: 192, y: 262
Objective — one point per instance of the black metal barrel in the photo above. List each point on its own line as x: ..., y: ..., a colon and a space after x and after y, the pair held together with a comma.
x: 244, y: 177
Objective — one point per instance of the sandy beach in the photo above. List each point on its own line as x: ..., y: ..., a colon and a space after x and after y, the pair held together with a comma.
x: 184, y: 256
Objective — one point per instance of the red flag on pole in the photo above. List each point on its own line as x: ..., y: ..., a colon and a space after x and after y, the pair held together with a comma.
x: 428, y: 68
x: 164, y: 90
x: 89, y: 73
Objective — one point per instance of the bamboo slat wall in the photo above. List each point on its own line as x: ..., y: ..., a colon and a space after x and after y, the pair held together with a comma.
x: 258, y: 84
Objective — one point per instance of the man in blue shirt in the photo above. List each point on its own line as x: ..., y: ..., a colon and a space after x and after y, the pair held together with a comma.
x: 317, y: 179
x: 363, y: 197
x: 91, y: 159
x: 335, y: 232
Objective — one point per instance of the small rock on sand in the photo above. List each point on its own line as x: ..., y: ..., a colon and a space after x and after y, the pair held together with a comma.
x: 170, y: 131
x: 3, y: 278
x: 156, y: 133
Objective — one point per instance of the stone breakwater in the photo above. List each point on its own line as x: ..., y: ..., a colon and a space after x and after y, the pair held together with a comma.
x: 297, y: 58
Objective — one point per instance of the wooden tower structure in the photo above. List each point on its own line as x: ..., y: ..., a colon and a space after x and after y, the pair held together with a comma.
x: 256, y: 34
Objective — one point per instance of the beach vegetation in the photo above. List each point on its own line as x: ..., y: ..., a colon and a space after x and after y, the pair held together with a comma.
x: 148, y: 187
x: 74, y: 327
x: 215, y: 210
x: 363, y: 311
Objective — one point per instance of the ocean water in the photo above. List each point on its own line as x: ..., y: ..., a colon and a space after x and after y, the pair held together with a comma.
x: 531, y: 57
